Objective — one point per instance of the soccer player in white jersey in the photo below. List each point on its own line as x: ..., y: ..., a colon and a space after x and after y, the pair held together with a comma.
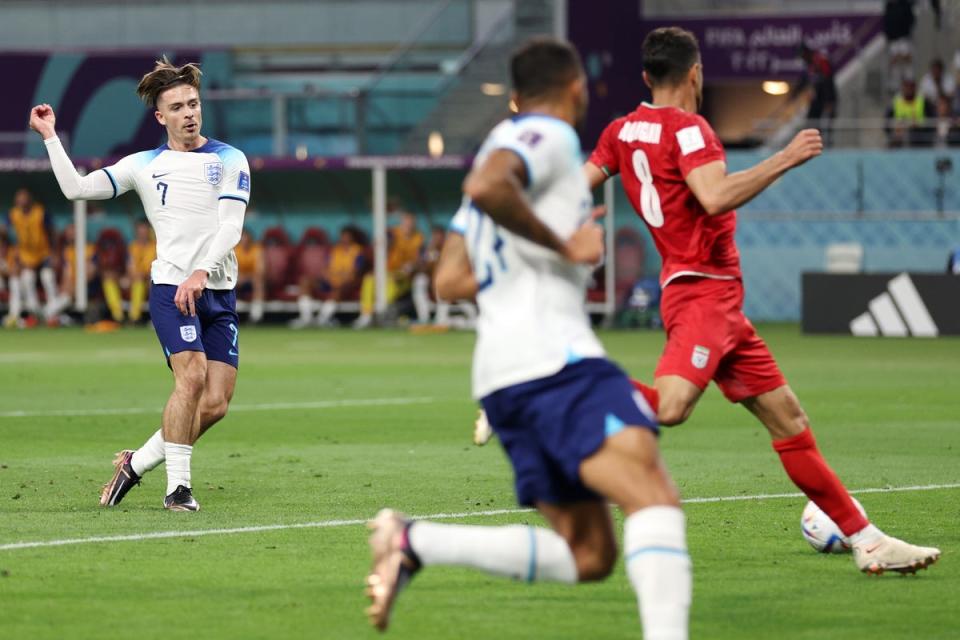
x: 572, y: 426
x: 195, y: 192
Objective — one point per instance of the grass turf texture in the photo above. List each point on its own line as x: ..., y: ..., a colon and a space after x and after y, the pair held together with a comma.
x: 884, y: 412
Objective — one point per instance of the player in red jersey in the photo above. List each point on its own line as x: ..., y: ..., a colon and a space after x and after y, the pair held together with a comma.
x: 674, y: 172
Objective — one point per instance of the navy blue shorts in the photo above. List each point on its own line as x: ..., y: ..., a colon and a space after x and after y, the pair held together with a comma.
x: 214, y: 330
x: 551, y: 425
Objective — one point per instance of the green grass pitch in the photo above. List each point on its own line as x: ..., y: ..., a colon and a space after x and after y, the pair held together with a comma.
x: 885, y: 412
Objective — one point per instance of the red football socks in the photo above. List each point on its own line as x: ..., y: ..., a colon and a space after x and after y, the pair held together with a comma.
x: 810, y: 472
x: 651, y: 395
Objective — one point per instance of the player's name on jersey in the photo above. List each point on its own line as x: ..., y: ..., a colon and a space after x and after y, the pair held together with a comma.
x: 641, y: 131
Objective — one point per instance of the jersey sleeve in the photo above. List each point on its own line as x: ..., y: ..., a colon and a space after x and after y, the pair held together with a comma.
x: 458, y: 224
x: 544, y: 147
x: 122, y: 175
x: 696, y: 145
x: 605, y: 155
x: 236, y: 176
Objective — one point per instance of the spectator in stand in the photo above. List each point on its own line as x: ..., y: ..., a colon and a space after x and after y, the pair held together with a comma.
x: 405, y: 242
x: 909, y: 113
x: 953, y: 262
x: 343, y: 276
x: 898, y: 23
x: 112, y: 264
x: 251, y: 276
x: 34, y: 234
x: 818, y: 76
x: 423, y: 275
x: 422, y: 280
x: 67, y: 258
x: 936, y: 84
x: 947, y: 128
x: 141, y: 253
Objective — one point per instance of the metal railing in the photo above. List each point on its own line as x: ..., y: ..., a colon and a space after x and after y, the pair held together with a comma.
x: 353, y: 118
x: 871, y: 133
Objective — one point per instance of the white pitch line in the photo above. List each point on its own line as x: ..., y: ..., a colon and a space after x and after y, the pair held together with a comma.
x: 269, y: 406
x: 324, y: 524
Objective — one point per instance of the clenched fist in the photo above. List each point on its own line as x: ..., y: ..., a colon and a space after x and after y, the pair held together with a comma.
x: 805, y: 145
x: 42, y: 120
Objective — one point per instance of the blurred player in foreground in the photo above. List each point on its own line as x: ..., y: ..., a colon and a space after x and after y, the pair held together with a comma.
x: 194, y: 191
x: 674, y: 171
x: 575, y: 430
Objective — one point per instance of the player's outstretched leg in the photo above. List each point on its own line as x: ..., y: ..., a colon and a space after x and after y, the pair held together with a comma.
x: 873, y: 551
x: 628, y: 470
x: 401, y: 547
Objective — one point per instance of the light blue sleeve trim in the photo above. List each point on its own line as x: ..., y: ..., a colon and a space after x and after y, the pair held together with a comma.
x: 113, y: 183
x: 455, y: 228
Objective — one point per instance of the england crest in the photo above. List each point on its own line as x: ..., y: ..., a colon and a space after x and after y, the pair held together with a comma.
x: 213, y: 172
x: 700, y: 357
x: 188, y: 333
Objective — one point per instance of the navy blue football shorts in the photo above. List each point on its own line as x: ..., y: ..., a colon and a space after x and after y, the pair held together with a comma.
x: 214, y: 330
x: 549, y: 426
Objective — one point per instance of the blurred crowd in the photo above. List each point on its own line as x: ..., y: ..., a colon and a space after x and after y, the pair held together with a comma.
x: 38, y: 269
x: 324, y: 280
x: 924, y: 111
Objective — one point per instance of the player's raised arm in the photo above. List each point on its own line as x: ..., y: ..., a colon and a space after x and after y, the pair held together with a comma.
x: 497, y: 189
x: 96, y: 186
x: 720, y: 192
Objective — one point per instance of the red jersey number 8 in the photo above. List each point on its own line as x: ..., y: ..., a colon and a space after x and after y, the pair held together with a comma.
x: 649, y: 198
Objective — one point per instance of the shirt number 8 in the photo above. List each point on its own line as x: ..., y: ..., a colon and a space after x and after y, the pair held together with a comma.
x: 649, y: 198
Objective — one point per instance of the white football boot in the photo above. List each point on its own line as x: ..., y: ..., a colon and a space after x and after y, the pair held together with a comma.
x: 891, y: 554
x: 482, y: 431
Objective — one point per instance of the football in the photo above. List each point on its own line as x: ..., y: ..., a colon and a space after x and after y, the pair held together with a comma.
x: 821, y: 532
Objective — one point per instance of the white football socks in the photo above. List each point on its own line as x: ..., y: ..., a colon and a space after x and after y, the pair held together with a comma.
x: 516, y: 551
x: 658, y: 567
x: 28, y: 289
x: 152, y: 453
x: 49, y: 280
x: 305, y: 306
x: 178, y: 465
x: 16, y: 299
x: 256, y: 311
x: 868, y: 534
x: 327, y: 310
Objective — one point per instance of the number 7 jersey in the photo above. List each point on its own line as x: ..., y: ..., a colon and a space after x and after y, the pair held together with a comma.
x: 180, y: 192
x: 654, y: 149
x: 533, y: 319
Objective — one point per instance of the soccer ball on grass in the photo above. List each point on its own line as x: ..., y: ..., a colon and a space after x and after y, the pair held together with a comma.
x: 821, y: 532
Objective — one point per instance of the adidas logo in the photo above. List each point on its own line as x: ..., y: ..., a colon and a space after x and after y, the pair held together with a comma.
x: 897, y: 313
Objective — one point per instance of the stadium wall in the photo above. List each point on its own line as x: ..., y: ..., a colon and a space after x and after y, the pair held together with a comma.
x: 886, y: 201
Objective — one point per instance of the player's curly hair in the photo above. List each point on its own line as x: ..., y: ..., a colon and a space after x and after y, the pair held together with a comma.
x: 668, y: 54
x: 166, y: 76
